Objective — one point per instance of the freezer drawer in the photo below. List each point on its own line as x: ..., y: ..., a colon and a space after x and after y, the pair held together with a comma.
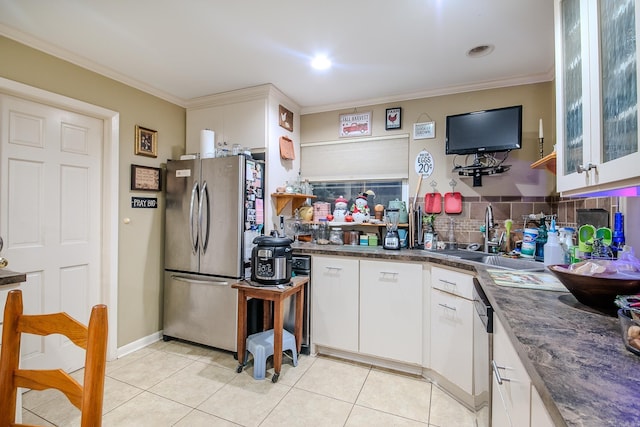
x: 201, y: 309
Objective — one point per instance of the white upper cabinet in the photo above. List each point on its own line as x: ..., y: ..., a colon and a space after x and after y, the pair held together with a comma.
x: 596, y: 95
x: 241, y: 123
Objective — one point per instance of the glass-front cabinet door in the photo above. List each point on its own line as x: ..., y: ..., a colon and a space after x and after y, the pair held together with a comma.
x: 571, y: 87
x: 597, y: 96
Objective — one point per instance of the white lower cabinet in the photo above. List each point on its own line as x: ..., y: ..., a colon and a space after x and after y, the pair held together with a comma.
x: 539, y: 415
x: 391, y: 310
x: 511, y: 395
x: 334, y: 312
x: 369, y: 307
x: 452, y: 327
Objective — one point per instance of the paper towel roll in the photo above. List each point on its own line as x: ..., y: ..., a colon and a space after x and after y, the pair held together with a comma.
x: 207, y: 143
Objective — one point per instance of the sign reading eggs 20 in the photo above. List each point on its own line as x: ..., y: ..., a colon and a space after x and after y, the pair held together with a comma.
x: 424, y: 164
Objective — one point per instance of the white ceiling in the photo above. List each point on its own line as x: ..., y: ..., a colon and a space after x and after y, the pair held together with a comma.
x: 382, y: 50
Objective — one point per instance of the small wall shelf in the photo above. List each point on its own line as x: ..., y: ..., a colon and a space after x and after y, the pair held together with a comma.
x: 548, y: 162
x: 297, y: 200
x: 359, y: 224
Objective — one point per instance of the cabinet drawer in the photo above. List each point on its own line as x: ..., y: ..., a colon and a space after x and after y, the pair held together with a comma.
x: 453, y: 282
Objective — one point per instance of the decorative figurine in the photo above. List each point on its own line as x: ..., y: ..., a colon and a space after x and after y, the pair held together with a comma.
x: 340, y: 211
x: 360, y: 209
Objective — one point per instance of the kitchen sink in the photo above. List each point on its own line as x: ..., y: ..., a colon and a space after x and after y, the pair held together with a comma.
x: 495, y: 261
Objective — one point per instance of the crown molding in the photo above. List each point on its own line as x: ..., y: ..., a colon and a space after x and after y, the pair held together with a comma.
x: 260, y: 91
x: 85, y: 63
x: 451, y: 90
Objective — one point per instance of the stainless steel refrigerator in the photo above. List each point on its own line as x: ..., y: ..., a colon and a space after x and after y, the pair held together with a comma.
x: 214, y: 208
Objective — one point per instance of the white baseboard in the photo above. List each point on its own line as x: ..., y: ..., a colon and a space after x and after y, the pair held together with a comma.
x: 138, y: 344
x: 409, y: 368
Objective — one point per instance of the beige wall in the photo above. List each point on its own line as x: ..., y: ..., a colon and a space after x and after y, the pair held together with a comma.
x: 141, y: 241
x: 521, y: 180
x: 140, y: 252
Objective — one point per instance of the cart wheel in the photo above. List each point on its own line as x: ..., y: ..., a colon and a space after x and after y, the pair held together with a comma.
x: 274, y: 379
x: 235, y: 355
x: 239, y: 369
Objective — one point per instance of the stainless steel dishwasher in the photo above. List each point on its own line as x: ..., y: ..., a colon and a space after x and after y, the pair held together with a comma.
x: 482, y: 355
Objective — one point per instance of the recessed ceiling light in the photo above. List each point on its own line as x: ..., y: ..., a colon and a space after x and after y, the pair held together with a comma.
x: 481, y: 50
x: 320, y: 62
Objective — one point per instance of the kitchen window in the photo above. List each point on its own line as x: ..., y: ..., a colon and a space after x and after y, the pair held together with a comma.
x: 384, y: 191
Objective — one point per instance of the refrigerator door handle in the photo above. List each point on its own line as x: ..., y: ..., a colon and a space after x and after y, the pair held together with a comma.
x: 204, y: 228
x: 200, y: 282
x: 193, y: 234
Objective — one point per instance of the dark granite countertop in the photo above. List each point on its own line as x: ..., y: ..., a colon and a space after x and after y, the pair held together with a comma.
x: 8, y: 277
x: 574, y: 356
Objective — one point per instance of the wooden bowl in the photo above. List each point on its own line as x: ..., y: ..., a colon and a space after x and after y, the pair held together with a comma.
x: 597, y: 292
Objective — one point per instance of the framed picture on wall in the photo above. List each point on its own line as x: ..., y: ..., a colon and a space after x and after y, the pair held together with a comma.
x: 393, y: 118
x: 145, y: 178
x: 146, y: 143
x: 285, y: 118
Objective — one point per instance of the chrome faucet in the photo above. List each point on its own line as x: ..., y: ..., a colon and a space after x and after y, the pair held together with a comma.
x: 488, y: 226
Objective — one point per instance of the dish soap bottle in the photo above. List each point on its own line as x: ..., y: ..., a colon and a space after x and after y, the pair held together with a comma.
x: 618, y: 233
x: 541, y: 239
x: 553, y: 252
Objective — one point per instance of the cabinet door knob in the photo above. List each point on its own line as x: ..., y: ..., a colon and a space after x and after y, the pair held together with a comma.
x: 586, y: 168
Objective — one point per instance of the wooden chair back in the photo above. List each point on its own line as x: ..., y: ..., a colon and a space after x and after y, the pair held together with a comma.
x: 93, y: 339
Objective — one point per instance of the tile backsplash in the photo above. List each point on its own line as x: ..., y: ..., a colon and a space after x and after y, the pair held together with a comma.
x: 469, y: 221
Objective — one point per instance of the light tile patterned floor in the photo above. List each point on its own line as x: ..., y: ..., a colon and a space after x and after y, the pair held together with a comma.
x: 177, y: 384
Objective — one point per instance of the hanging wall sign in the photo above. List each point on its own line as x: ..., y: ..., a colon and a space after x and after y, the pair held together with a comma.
x: 355, y: 124
x: 424, y: 164
x: 424, y: 130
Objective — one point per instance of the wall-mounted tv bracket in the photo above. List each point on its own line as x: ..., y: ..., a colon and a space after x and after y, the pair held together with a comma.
x: 478, y: 169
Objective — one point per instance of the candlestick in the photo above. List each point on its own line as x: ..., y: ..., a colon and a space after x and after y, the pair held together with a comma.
x: 540, y: 146
x: 540, y: 131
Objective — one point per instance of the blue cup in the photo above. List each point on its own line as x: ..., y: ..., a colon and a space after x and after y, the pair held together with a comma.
x: 402, y: 234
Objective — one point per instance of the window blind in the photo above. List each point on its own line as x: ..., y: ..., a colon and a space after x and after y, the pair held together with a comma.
x: 356, y: 159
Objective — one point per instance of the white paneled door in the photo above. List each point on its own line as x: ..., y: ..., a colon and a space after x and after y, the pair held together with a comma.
x: 50, y: 216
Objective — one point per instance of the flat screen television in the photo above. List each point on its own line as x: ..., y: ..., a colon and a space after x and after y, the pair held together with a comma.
x: 486, y: 131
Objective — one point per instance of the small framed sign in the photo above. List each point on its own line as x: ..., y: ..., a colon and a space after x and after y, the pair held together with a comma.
x: 393, y: 118
x: 144, y: 202
x: 424, y: 130
x: 145, y: 178
x: 355, y: 124
x: 285, y: 118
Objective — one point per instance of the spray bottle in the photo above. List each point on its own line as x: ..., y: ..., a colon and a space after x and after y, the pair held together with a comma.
x: 553, y: 252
